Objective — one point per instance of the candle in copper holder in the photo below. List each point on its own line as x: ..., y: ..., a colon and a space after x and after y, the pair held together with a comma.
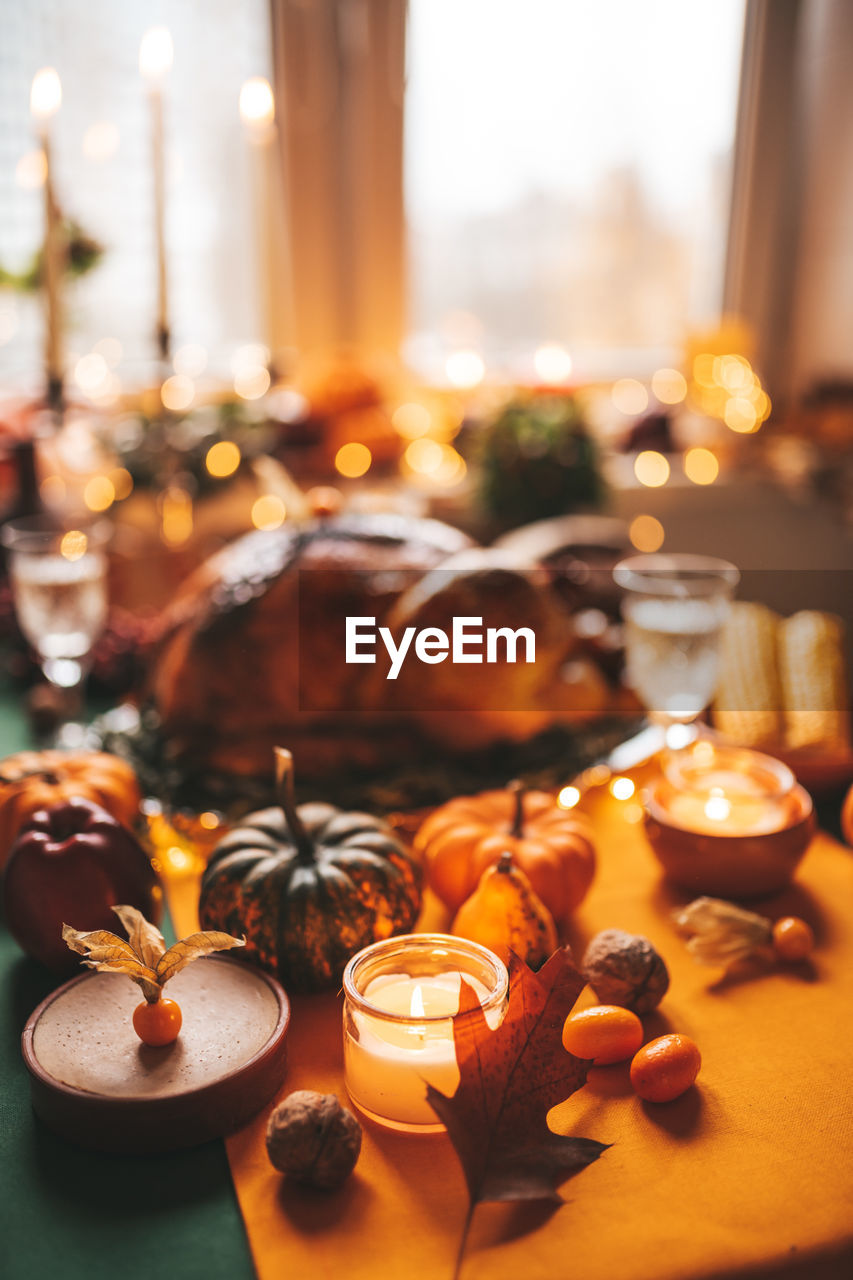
x: 727, y: 821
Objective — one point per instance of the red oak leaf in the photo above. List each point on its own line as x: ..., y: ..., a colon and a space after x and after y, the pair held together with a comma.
x: 510, y: 1078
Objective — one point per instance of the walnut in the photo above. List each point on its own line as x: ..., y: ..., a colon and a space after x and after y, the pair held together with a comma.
x: 624, y: 969
x: 313, y: 1139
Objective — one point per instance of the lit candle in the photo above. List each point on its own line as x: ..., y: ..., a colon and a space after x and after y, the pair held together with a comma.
x: 720, y: 790
x: 45, y: 100
x: 155, y: 61
x: 257, y: 112
x: 401, y: 997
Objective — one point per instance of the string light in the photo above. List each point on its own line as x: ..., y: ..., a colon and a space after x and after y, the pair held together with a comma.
x: 622, y: 788
x: 568, y: 797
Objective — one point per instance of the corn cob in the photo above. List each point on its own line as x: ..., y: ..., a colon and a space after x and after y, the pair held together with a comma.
x: 748, y: 705
x: 811, y: 669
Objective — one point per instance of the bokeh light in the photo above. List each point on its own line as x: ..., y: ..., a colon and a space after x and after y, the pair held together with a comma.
x: 465, y: 369
x: 45, y: 93
x: 568, y: 797
x: 73, y: 545
x: 99, y: 493
x: 268, y: 512
x: 252, y: 383
x: 669, y: 386
x: 629, y: 396
x: 552, y: 363
x: 353, y: 460
x: 257, y: 103
x: 622, y: 788
x: 177, y: 392
x: 222, y: 459
x: 701, y: 466
x: 651, y: 468
x: 190, y: 360
x: 411, y: 420
x: 646, y: 533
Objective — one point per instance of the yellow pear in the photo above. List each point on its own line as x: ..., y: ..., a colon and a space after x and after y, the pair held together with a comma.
x: 504, y: 912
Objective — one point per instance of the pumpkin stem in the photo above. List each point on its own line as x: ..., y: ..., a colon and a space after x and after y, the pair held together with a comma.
x: 504, y: 863
x: 287, y: 800
x: 516, y: 789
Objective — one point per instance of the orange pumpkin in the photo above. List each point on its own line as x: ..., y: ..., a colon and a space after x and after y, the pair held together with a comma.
x: 34, y: 780
x: 551, y: 846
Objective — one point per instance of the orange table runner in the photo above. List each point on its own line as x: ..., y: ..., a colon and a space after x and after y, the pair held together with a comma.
x: 751, y: 1172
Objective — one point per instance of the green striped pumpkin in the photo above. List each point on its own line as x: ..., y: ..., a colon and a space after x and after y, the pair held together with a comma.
x: 308, y: 887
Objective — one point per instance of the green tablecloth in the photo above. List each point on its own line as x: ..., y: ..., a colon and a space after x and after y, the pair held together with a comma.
x: 75, y: 1213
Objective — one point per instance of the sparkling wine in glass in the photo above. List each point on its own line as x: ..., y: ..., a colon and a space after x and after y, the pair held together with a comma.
x: 59, y: 586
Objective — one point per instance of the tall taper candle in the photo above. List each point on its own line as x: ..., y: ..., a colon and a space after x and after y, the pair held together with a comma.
x: 257, y: 112
x: 45, y: 100
x: 155, y: 61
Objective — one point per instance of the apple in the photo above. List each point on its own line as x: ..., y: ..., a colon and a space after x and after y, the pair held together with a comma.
x: 70, y: 864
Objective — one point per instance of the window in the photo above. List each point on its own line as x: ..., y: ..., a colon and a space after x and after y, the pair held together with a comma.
x: 101, y: 144
x: 567, y: 176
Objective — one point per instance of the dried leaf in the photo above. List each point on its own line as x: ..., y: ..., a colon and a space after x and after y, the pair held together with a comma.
x: 510, y: 1078
x: 720, y: 934
x: 145, y: 938
x: 190, y: 948
x: 108, y: 953
x: 143, y: 957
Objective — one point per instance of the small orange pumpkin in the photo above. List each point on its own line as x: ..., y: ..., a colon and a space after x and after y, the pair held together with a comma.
x: 34, y: 780
x: 552, y: 847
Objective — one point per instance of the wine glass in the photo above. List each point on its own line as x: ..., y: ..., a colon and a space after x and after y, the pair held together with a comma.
x: 59, y: 587
x: 674, y: 608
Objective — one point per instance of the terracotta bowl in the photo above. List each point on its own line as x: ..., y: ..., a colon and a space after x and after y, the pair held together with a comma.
x: 93, y: 1082
x: 730, y: 866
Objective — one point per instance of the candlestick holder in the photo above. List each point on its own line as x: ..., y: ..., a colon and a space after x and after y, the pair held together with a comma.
x: 400, y: 997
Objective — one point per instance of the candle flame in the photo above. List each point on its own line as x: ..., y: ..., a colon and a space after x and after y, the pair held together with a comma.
x: 257, y: 102
x: 45, y: 94
x: 156, y: 53
x: 416, y: 1006
x: 717, y: 808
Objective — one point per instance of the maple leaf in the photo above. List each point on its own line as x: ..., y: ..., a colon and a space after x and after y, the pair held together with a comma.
x: 510, y: 1078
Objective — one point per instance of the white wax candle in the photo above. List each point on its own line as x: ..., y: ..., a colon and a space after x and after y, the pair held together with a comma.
x: 389, y: 1065
x: 155, y: 61
x: 727, y: 813
x: 45, y: 100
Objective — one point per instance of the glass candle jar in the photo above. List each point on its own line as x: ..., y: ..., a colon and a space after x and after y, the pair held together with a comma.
x: 400, y: 997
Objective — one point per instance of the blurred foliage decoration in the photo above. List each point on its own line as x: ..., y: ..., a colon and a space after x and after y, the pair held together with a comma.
x: 170, y: 444
x: 536, y: 458
x: 84, y: 253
